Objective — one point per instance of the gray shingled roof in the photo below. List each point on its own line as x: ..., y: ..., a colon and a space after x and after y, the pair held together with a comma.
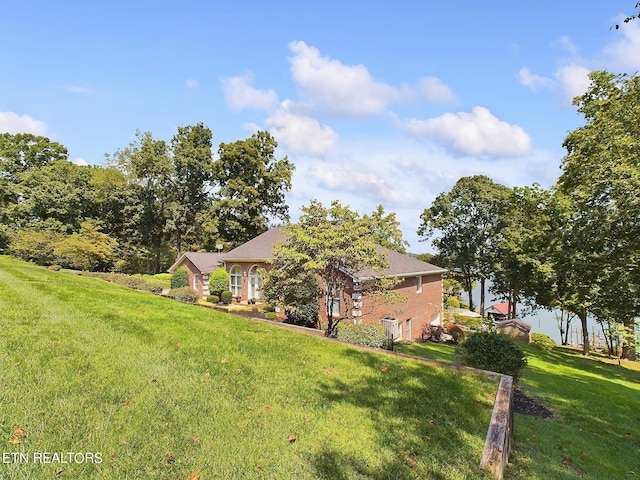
x: 259, y: 248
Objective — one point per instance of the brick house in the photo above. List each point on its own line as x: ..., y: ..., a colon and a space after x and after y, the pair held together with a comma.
x: 420, y: 284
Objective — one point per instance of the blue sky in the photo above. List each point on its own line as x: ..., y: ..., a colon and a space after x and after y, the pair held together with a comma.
x: 374, y: 102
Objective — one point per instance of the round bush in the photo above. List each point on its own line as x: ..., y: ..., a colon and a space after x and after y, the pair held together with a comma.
x: 218, y: 281
x: 213, y: 299
x: 363, y: 334
x: 184, y: 294
x: 180, y: 278
x: 494, y: 352
x: 542, y: 341
x: 226, y: 297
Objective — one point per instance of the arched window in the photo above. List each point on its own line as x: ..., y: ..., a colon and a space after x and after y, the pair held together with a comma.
x: 235, y: 281
x: 255, y: 283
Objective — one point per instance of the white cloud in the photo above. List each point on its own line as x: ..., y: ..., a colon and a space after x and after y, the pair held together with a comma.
x: 624, y: 53
x: 336, y: 88
x: 13, y: 123
x: 300, y: 133
x: 534, y: 81
x: 566, y: 43
x: 191, y: 83
x: 434, y: 90
x: 361, y: 182
x: 80, y: 161
x: 573, y: 81
x: 239, y: 94
x: 475, y: 133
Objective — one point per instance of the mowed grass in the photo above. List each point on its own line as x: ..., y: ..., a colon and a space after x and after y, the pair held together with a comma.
x: 158, y: 389
x: 596, y: 432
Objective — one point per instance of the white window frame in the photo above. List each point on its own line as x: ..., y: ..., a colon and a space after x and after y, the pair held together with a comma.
x: 235, y: 281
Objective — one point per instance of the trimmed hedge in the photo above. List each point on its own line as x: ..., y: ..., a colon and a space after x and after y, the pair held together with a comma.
x: 492, y: 351
x: 363, y: 334
x: 213, y: 299
x: 184, y: 294
x: 180, y: 278
x: 226, y: 297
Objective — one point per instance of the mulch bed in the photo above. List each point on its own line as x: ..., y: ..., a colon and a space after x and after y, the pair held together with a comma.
x: 525, y: 405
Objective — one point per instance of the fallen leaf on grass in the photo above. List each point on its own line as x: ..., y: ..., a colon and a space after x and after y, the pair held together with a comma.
x: 58, y: 473
x: 194, y: 438
x: 19, y: 432
x: 125, y: 403
x: 433, y: 422
x: 207, y: 375
x: 292, y: 438
x: 169, y: 459
x: 123, y: 442
x: 385, y: 368
x: 194, y: 476
x: 259, y: 468
x: 411, y: 462
x: 224, y: 360
x: 627, y: 434
x: 14, y: 441
x: 267, y: 409
x: 585, y: 454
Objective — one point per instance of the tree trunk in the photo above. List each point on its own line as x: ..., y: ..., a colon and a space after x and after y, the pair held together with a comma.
x: 585, y: 333
x: 482, y: 297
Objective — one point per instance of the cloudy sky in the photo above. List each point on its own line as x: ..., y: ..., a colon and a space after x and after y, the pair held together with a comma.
x: 374, y: 102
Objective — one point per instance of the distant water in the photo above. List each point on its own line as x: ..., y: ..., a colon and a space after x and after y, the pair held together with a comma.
x: 543, y: 321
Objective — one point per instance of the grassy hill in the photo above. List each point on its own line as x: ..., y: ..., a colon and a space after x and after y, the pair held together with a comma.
x: 155, y: 389
x: 595, y: 432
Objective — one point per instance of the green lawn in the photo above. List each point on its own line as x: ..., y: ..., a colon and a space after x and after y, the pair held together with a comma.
x: 157, y: 389
x: 596, y: 434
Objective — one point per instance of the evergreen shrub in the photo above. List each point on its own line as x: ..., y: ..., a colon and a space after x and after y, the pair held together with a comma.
x: 226, y: 297
x: 184, y: 294
x: 493, y: 352
x: 213, y: 299
x: 218, y: 281
x: 363, y: 334
x: 180, y: 278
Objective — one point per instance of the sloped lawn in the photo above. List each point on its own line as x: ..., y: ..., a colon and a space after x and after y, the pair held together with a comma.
x: 157, y: 389
x: 595, y: 433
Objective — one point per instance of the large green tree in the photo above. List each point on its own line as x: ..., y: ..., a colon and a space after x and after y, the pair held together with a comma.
x: 334, y: 244
x: 251, y: 185
x: 601, y: 177
x: 190, y: 185
x: 465, y: 221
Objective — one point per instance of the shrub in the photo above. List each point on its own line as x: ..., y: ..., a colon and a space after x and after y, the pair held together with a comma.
x: 363, y: 334
x: 54, y: 268
x: 218, y: 281
x: 268, y: 308
x: 271, y: 316
x: 542, y: 341
x: 452, y: 302
x: 184, y: 294
x: 494, y: 352
x: 180, y: 278
x: 226, y: 297
x: 151, y: 286
x: 305, y: 315
x: 213, y: 299
x: 162, y: 276
x: 125, y: 280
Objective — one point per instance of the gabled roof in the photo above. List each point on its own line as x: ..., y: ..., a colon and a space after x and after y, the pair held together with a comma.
x: 261, y: 248
x: 499, y: 308
x: 400, y: 265
x: 257, y: 249
x: 206, y: 262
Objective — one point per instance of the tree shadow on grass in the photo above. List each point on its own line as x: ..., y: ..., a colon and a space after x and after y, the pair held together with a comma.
x: 429, y: 422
